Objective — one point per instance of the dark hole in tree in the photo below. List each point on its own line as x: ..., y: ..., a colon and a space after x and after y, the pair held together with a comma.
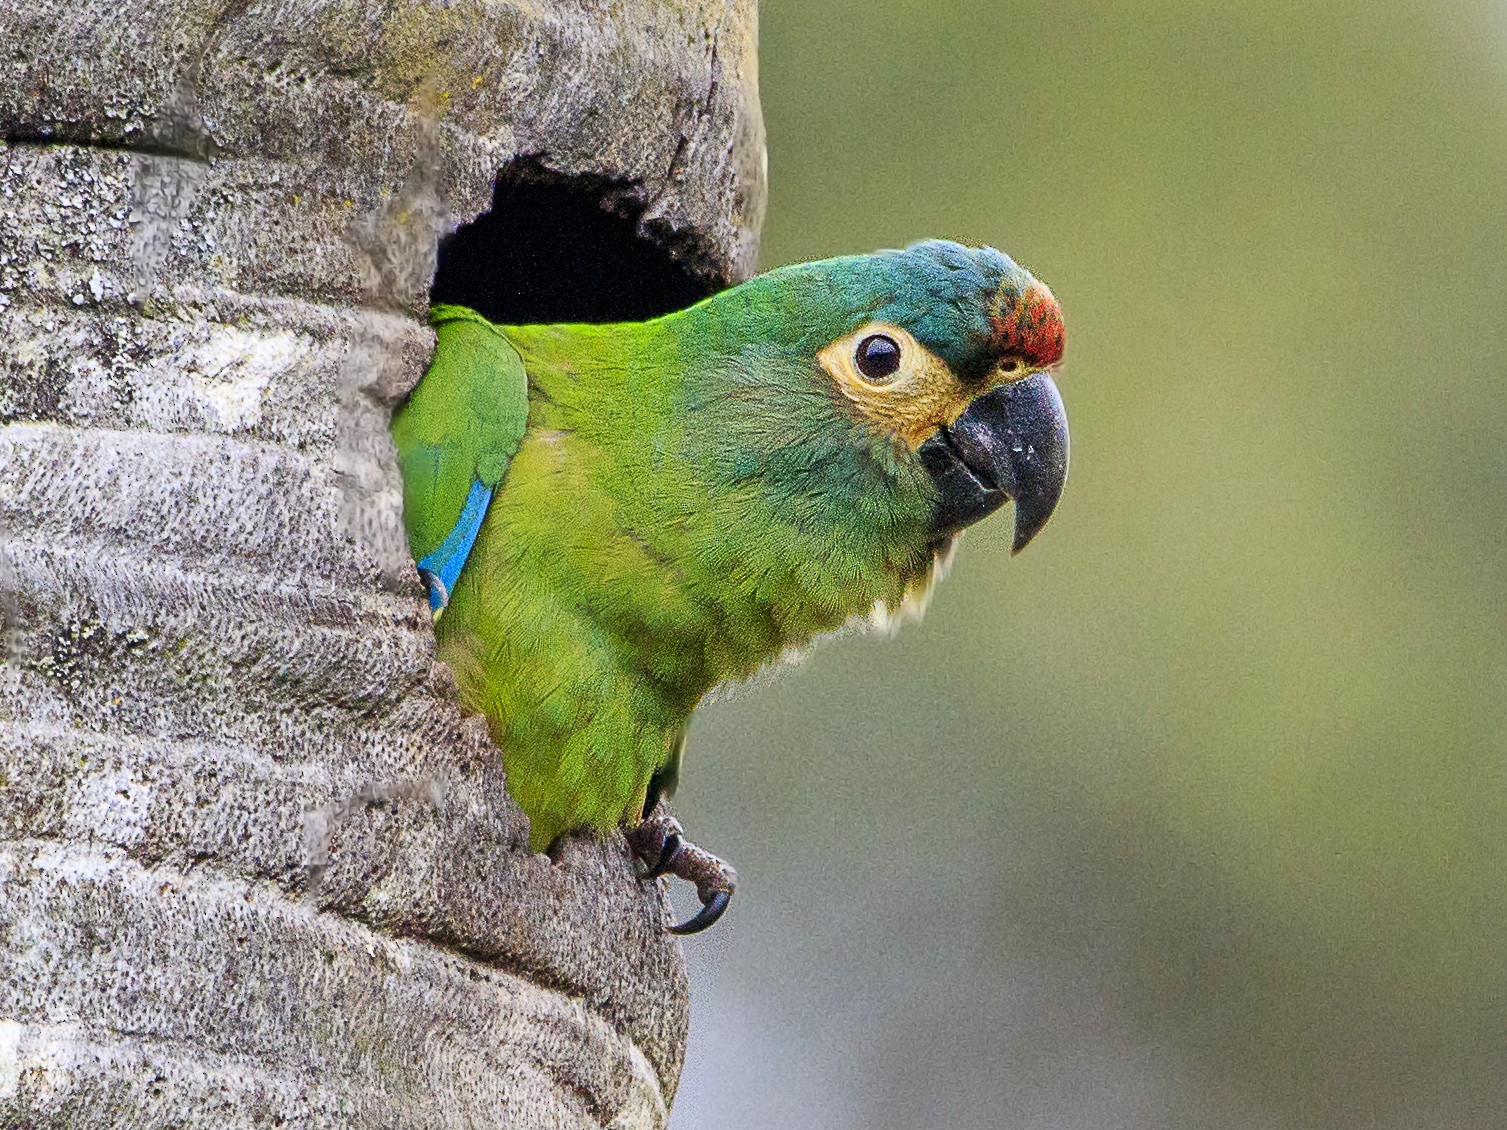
x: 557, y: 248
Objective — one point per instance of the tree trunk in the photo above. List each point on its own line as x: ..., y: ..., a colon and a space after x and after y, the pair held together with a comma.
x: 255, y: 869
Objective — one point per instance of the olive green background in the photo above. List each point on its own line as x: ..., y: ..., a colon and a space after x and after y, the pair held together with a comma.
x: 1195, y: 814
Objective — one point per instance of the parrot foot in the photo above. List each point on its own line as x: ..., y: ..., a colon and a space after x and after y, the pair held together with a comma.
x: 659, y: 841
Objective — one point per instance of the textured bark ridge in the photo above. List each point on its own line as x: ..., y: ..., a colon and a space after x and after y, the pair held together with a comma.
x: 255, y: 869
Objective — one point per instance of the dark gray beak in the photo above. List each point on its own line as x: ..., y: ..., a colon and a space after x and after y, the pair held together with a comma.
x: 1011, y: 443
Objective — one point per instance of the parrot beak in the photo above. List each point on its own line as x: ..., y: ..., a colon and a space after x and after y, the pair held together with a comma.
x: 1010, y: 443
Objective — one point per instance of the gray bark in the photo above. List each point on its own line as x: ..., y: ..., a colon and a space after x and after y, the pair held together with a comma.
x: 255, y: 868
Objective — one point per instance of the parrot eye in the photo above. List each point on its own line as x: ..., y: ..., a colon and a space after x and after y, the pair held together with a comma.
x: 1009, y: 365
x: 878, y: 357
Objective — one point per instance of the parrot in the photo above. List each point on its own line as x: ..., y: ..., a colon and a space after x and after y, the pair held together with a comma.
x: 612, y: 520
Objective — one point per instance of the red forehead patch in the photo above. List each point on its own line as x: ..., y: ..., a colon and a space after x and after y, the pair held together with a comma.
x: 1031, y: 327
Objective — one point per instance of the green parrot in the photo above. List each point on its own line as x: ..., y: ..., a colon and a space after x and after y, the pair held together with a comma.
x: 614, y: 519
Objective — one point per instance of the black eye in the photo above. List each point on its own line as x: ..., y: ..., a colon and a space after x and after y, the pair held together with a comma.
x: 878, y: 356
x: 1009, y: 365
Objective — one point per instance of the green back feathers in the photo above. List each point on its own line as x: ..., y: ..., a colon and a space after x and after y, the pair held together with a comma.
x: 461, y: 425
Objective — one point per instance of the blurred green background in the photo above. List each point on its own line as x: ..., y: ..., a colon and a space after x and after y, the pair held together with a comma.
x: 1194, y: 814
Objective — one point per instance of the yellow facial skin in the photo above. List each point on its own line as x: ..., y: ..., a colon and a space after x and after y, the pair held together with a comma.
x: 919, y: 397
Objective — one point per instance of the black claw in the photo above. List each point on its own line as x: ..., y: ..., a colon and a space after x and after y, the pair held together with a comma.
x: 667, y: 854
x: 706, y: 916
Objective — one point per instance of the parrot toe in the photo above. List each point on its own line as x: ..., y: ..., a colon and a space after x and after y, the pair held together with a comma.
x: 660, y: 844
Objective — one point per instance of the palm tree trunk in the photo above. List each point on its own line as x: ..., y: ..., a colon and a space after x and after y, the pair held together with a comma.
x: 255, y: 868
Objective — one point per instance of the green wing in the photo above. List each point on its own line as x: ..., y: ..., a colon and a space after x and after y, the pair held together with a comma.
x: 456, y: 434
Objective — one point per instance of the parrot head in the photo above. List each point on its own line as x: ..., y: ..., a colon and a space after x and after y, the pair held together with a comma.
x: 950, y: 355
x: 914, y: 390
